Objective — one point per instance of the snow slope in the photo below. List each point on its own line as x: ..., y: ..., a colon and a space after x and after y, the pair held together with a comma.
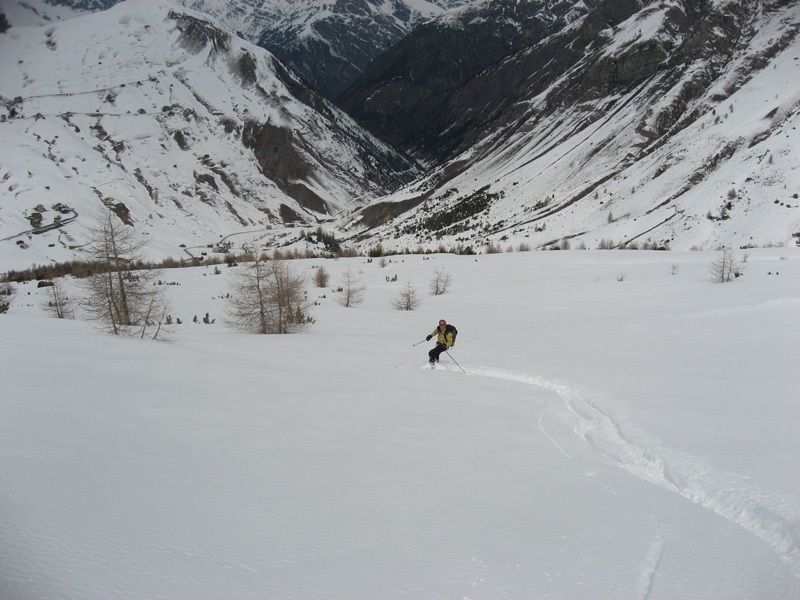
x: 197, y: 133
x: 625, y: 429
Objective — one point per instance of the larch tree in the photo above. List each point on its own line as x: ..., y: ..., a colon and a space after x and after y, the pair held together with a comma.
x: 725, y: 267
x: 268, y: 297
x: 440, y: 282
x: 351, y: 292
x: 59, y: 304
x: 121, y: 295
x: 407, y: 299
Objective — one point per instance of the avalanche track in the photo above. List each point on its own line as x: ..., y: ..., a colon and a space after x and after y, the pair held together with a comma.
x: 725, y: 494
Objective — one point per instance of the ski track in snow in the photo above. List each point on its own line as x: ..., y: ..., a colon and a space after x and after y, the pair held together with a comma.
x: 650, y: 566
x: 558, y: 446
x: 722, y: 493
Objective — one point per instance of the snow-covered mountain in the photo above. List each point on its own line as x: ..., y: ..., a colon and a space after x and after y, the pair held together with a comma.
x: 671, y: 124
x: 185, y: 130
x: 329, y: 43
x: 554, y: 124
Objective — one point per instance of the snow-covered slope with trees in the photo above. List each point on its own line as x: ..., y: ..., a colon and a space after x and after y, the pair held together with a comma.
x: 625, y: 429
x: 616, y: 426
x: 183, y: 129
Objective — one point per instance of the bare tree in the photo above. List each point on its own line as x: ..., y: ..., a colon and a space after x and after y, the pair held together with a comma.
x: 725, y: 267
x: 155, y: 313
x: 267, y: 297
x: 408, y: 299
x: 440, y: 282
x: 351, y: 293
x: 59, y: 304
x: 121, y: 295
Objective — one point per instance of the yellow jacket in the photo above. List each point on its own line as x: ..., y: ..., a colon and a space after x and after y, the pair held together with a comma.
x: 444, y: 337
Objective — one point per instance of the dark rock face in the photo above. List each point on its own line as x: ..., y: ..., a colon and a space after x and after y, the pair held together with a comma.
x: 87, y: 5
x: 330, y: 44
x: 197, y: 34
x: 449, y: 82
x: 344, y: 41
x: 408, y: 95
x: 274, y: 149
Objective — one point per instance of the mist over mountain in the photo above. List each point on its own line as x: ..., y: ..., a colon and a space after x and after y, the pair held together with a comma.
x: 566, y: 123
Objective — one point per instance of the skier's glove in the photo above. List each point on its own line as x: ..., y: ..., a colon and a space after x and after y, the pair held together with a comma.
x: 428, y: 339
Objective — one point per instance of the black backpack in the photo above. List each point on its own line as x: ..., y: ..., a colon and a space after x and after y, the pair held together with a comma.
x: 452, y: 329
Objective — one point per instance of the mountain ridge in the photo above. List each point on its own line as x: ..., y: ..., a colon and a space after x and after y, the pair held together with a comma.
x: 327, y: 42
x: 619, y: 93
x: 672, y: 127
x: 178, y: 126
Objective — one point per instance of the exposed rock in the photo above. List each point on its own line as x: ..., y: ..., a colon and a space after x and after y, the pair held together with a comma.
x: 275, y: 152
x: 197, y: 34
x: 421, y: 87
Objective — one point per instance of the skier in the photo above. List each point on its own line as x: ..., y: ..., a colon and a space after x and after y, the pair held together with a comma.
x: 446, y: 339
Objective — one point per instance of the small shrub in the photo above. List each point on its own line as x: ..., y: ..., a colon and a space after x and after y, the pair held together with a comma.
x: 6, y: 291
x: 321, y: 277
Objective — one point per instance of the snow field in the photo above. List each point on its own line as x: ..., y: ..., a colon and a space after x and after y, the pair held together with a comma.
x: 610, y: 439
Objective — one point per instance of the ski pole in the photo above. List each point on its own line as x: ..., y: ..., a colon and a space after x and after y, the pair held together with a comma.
x: 455, y: 361
x: 418, y: 343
